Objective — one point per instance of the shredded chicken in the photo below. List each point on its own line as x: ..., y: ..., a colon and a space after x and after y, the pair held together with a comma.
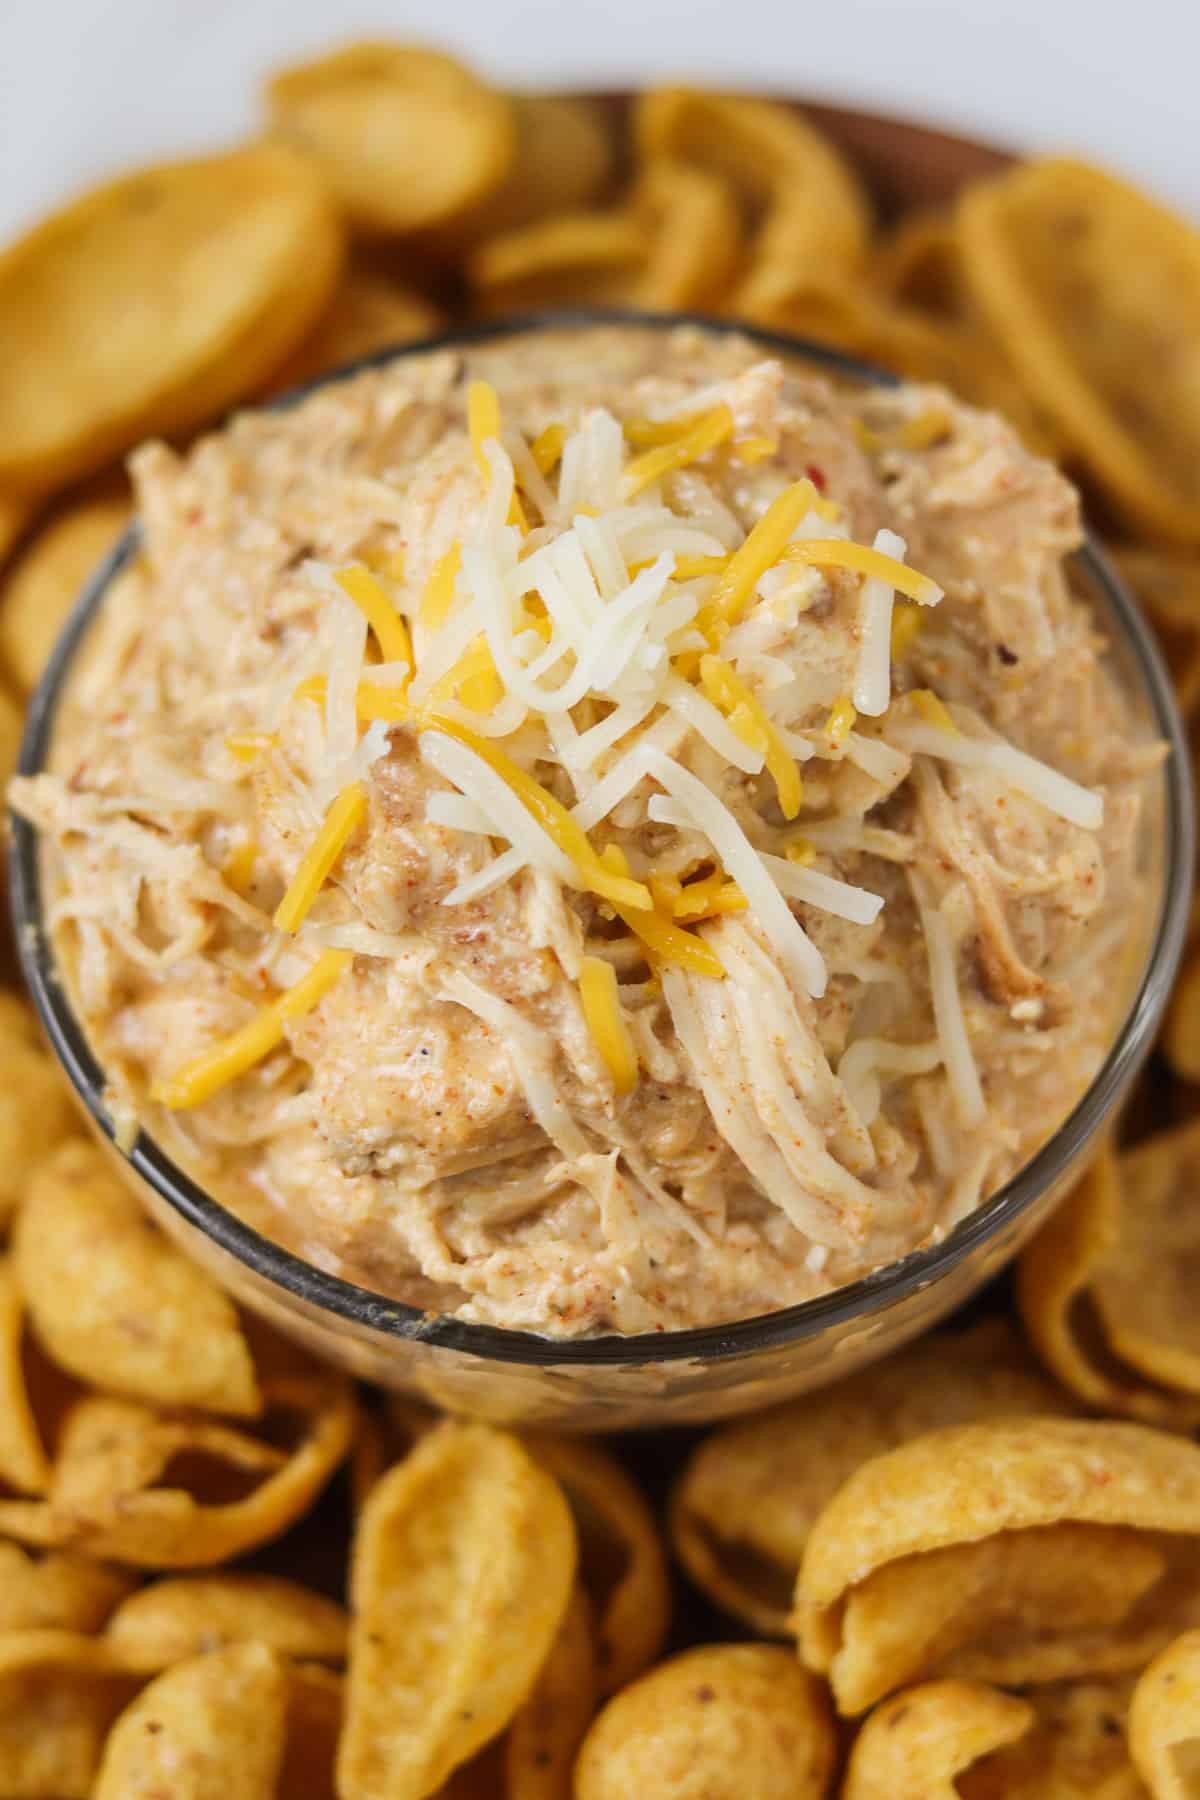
x: 894, y: 982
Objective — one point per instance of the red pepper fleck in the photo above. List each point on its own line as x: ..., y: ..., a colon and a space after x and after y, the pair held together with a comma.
x: 816, y: 476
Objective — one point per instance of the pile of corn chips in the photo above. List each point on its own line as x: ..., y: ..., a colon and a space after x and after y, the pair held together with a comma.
x: 971, y: 1572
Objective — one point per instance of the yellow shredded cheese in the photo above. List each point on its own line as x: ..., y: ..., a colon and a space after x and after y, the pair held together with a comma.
x: 391, y: 633
x: 339, y: 825
x: 665, y: 890
x: 438, y: 597
x: 238, y: 866
x: 706, y: 433
x: 663, y: 938
x: 213, y: 1069
x: 863, y: 559
x: 713, y: 894
x: 552, y: 816
x: 749, y: 563
x: 246, y: 746
x: 483, y: 422
x: 749, y: 719
x: 751, y: 450
x: 907, y: 620
x: 372, y: 700
x: 840, y: 722
x: 646, y: 434
x: 802, y: 852
x: 605, y: 1021
x: 933, y: 710
x: 473, y: 678
x: 686, y: 568
x: 547, y: 447
x: 917, y: 433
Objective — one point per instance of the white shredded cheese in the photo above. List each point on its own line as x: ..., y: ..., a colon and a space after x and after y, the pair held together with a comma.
x: 710, y: 816
x: 1037, y: 780
x: 873, y: 678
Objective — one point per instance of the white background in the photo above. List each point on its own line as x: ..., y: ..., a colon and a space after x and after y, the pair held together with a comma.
x: 91, y: 85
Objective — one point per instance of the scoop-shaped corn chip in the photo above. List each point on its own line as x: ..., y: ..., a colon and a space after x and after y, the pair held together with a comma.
x: 57, y: 1592
x: 385, y: 1435
x: 915, y: 1744
x: 114, y: 1301
x: 170, y: 1621
x: 161, y: 1490
x: 693, y: 232
x: 1023, y: 1606
x: 1054, y: 1280
x: 591, y: 259
x: 314, y: 1722
x: 211, y: 1728
x: 743, y: 1507
x: 16, y: 513
x: 368, y: 312
x: 967, y: 1482
x: 407, y: 139
x: 1145, y: 1292
x: 1164, y: 1721
x: 1075, y: 1751
x: 1089, y: 284
x: 47, y: 578
x: 813, y: 215
x: 1167, y: 585
x: 563, y: 162
x: 24, y: 1464
x: 919, y: 263
x: 622, y: 1562
x: 207, y: 274
x: 463, y: 1567
x: 36, y: 1109
x: 718, y: 1723
x: 59, y: 1693
x: 546, y: 1733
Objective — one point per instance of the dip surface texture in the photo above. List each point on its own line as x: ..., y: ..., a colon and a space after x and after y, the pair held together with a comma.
x: 704, y: 924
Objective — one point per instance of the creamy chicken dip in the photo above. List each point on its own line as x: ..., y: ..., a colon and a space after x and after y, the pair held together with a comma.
x: 598, y: 831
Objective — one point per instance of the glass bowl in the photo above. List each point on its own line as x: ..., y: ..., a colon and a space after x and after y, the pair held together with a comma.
x: 612, y: 1382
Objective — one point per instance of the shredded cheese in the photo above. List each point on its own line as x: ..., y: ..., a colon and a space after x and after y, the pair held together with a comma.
x: 933, y: 710
x: 916, y: 433
x: 706, y: 898
x: 749, y: 563
x: 238, y: 866
x: 751, y: 450
x: 873, y: 676
x: 557, y: 823
x: 666, y: 941
x: 712, y: 817
x: 709, y: 431
x: 473, y: 678
x: 748, y: 717
x: 391, y: 633
x: 214, y: 1069
x: 1037, y: 780
x: 372, y: 700
x: 801, y: 851
x: 841, y: 553
x: 907, y: 620
x: 840, y: 722
x: 483, y: 424
x: 602, y: 1011
x: 248, y: 746
x: 341, y: 822
x: 547, y: 447
x: 438, y: 597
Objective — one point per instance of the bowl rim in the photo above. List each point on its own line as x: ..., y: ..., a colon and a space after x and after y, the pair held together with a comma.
x: 362, y: 1308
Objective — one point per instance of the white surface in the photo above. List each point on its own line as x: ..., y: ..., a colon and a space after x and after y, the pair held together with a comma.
x: 87, y: 86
